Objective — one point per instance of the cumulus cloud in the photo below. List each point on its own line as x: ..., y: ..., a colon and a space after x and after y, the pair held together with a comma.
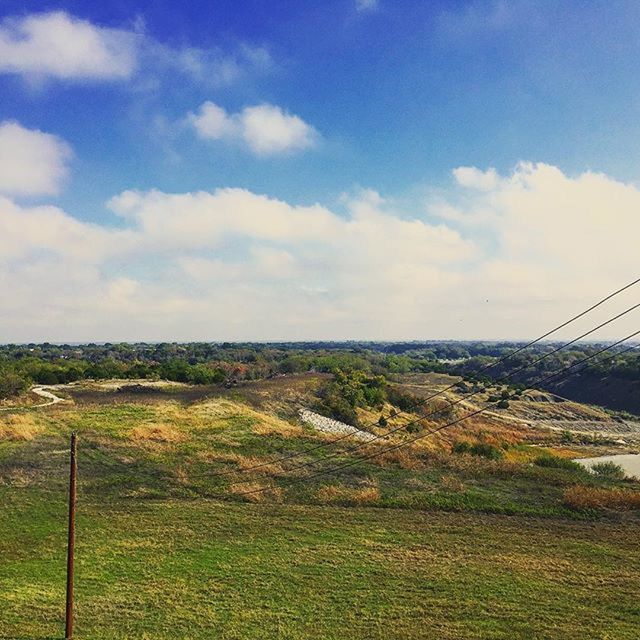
x: 539, y: 216
x: 58, y: 45
x: 233, y: 264
x: 212, y: 122
x: 32, y: 162
x: 476, y: 179
x: 205, y: 220
x: 265, y: 129
x: 35, y: 232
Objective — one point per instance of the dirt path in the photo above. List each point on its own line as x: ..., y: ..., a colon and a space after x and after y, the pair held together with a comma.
x: 43, y: 393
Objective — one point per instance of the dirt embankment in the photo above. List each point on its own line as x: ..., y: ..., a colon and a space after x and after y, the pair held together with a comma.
x: 619, y: 394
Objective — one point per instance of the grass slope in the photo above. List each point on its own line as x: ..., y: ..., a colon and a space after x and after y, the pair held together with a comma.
x: 411, y: 545
x: 200, y: 569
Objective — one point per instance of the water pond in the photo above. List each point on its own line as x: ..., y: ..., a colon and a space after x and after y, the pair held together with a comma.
x: 630, y: 462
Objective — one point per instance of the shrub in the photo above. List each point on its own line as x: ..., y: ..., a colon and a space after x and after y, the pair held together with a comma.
x: 585, y: 497
x: 404, y: 401
x: 503, y: 404
x: 609, y: 470
x: 479, y: 449
x: 382, y: 421
x: 461, y: 447
x: 349, y: 390
x: 486, y: 451
x: 556, y: 462
x: 567, y: 437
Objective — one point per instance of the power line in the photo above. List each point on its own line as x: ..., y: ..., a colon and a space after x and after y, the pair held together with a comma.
x: 433, y: 431
x: 453, y: 404
x: 423, y: 401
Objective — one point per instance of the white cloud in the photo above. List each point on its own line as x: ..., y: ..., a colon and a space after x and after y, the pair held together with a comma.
x: 232, y: 264
x: 268, y: 130
x: 265, y: 129
x: 367, y: 5
x: 476, y: 179
x: 33, y: 232
x: 205, y: 220
x: 212, y: 122
x: 215, y: 67
x: 31, y: 162
x: 58, y: 45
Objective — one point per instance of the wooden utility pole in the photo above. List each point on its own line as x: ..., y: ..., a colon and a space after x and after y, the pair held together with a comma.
x: 73, y: 466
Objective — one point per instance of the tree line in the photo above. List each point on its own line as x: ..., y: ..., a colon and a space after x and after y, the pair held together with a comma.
x: 218, y: 363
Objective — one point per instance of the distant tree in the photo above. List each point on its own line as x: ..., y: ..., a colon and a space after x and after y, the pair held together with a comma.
x: 11, y: 385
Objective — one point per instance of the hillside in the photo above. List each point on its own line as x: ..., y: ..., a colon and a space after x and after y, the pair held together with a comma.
x: 620, y: 394
x: 182, y: 500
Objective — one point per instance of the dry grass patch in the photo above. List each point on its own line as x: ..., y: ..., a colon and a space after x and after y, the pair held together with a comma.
x: 242, y: 462
x: 158, y: 433
x: 585, y: 497
x: 267, y: 425
x: 474, y: 464
x: 403, y: 457
x: 266, y: 466
x: 182, y: 476
x: 261, y: 423
x: 531, y: 454
x: 216, y: 456
x: 257, y: 492
x: 19, y: 427
x: 452, y: 483
x: 347, y: 496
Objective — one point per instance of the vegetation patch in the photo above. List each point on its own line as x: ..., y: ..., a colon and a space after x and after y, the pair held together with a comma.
x: 587, y: 497
x: 483, y: 449
x: 19, y: 427
x: 257, y: 492
x: 556, y: 462
x: 609, y: 470
x: 159, y: 433
x: 348, y: 496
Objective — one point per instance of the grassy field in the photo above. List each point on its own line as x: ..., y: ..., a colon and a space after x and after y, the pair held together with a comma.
x: 202, y: 569
x: 421, y: 544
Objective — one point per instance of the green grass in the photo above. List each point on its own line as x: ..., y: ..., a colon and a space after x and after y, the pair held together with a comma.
x: 458, y: 546
x: 205, y: 569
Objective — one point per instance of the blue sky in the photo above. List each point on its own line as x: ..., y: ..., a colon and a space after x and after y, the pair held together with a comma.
x: 347, y: 112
